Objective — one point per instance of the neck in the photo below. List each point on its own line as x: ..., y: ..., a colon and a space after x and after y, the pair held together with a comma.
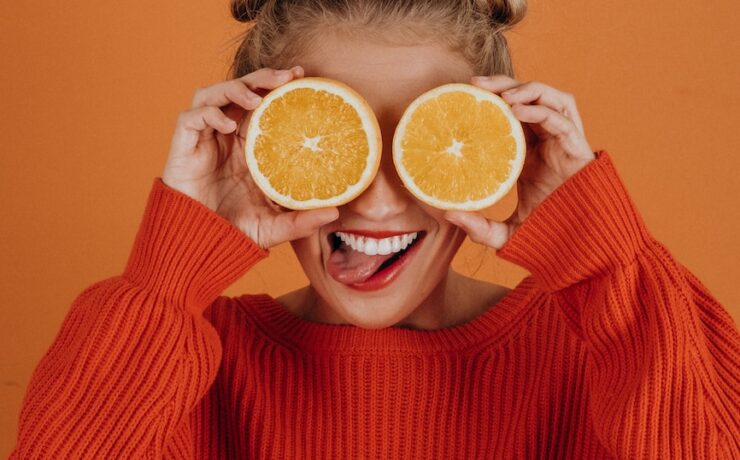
x: 456, y: 300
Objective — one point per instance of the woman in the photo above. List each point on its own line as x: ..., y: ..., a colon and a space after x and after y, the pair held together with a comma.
x: 610, y: 348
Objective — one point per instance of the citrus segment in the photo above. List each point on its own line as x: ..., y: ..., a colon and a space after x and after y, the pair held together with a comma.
x: 458, y: 146
x: 313, y: 142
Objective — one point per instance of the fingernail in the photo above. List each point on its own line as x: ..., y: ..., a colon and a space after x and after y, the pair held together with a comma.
x: 509, y: 91
x: 331, y: 215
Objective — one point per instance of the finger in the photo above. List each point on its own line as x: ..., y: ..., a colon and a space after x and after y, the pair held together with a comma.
x: 193, y: 124
x: 267, y: 78
x: 546, y: 120
x: 479, y: 229
x: 299, y: 224
x: 539, y: 93
x: 494, y: 83
x: 241, y: 91
x: 226, y: 93
x: 260, y: 78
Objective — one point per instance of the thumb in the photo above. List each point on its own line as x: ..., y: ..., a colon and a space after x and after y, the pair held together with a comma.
x: 479, y: 229
x: 298, y: 224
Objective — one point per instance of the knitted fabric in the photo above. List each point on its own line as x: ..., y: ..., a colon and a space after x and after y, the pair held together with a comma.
x: 609, y: 349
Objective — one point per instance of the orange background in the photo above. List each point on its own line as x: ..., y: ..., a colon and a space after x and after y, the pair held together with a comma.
x: 91, y: 90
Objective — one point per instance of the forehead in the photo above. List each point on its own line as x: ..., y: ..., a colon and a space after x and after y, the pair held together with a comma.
x: 389, y: 76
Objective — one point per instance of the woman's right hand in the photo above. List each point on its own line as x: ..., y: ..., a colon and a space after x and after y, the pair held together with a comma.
x: 207, y: 162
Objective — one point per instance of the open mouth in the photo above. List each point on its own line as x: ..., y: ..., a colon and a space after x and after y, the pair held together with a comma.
x: 370, y: 262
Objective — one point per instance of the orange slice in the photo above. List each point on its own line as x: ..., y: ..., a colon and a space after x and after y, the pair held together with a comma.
x: 458, y: 146
x: 313, y: 142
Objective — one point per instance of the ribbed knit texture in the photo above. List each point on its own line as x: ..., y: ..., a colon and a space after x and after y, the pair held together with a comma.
x: 610, y: 348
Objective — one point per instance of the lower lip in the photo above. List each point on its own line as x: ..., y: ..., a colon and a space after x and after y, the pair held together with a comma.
x: 389, y: 274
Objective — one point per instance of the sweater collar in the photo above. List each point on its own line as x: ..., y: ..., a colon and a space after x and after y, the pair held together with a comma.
x: 496, y: 325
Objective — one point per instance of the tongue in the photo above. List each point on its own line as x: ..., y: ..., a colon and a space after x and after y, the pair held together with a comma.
x: 349, y: 266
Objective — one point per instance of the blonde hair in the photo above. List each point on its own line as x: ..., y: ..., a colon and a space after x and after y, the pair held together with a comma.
x: 280, y: 30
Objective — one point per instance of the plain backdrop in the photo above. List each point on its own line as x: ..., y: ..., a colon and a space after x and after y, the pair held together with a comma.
x: 91, y: 91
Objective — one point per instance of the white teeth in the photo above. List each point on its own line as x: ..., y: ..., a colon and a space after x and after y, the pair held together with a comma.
x: 384, y: 246
x: 373, y: 246
x: 396, y: 244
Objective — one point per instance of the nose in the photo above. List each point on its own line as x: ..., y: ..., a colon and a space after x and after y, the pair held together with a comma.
x: 384, y: 199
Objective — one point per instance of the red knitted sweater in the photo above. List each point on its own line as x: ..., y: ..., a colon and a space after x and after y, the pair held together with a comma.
x: 611, y: 348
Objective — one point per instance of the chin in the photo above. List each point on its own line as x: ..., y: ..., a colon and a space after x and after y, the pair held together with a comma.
x: 377, y: 278
x: 374, y: 313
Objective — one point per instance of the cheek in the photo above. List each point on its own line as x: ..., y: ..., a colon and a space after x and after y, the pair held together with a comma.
x: 308, y: 253
x: 449, y: 237
x: 445, y: 229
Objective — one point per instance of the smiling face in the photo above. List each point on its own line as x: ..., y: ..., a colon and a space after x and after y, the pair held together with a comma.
x: 407, y: 283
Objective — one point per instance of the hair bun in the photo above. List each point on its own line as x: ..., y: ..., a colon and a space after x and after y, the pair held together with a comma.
x: 507, y: 12
x: 246, y: 10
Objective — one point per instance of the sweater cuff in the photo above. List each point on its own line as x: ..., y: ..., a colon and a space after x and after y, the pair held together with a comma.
x: 586, y: 227
x: 186, y: 253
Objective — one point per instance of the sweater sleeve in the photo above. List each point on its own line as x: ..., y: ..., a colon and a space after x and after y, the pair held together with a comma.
x: 134, y: 354
x: 663, y: 367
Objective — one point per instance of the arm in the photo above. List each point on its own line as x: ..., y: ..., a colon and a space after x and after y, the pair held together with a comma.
x: 663, y: 355
x: 134, y: 354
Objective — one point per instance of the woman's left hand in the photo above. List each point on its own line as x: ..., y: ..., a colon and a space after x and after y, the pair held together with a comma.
x: 556, y: 149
